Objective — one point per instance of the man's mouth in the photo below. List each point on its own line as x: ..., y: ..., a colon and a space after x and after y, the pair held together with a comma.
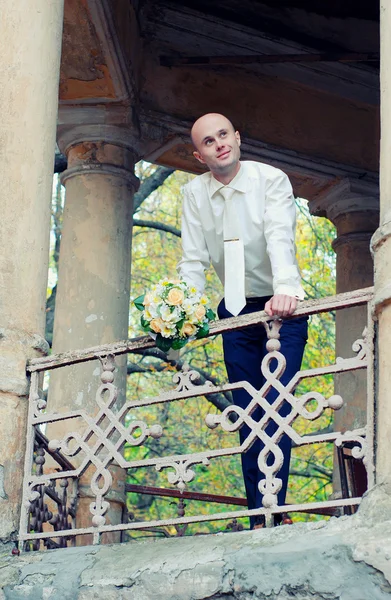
x: 224, y: 154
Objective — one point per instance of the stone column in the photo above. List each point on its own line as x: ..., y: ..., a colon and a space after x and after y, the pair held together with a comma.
x: 381, y: 246
x: 353, y: 207
x: 30, y: 42
x: 92, y: 304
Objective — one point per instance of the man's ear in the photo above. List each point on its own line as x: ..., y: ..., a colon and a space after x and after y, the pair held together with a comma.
x: 237, y: 135
x: 198, y: 156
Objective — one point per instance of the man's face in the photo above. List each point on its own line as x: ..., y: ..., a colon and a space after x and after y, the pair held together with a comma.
x: 217, y: 143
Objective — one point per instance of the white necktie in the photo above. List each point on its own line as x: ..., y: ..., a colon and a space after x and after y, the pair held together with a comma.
x: 234, y: 294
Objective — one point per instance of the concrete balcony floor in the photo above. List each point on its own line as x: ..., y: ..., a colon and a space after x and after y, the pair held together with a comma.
x: 343, y: 559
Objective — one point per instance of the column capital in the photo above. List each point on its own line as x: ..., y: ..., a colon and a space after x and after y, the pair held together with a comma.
x: 70, y: 135
x: 113, y: 125
x: 348, y: 195
x: 354, y: 237
x: 101, y: 158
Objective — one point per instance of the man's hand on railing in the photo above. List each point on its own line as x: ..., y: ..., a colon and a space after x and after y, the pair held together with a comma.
x: 281, y: 305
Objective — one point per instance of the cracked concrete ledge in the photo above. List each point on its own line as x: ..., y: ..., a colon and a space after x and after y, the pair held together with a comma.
x: 344, y: 559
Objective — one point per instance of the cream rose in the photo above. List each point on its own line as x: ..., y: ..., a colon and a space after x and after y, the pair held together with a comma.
x: 200, y: 312
x: 175, y: 297
x: 156, y: 325
x: 188, y: 329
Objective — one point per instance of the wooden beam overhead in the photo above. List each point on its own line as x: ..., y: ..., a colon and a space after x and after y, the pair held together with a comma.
x: 265, y: 59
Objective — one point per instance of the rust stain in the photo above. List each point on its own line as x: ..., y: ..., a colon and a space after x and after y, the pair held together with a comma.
x: 84, y: 72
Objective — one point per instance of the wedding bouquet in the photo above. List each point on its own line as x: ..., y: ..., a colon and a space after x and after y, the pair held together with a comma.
x: 173, y: 313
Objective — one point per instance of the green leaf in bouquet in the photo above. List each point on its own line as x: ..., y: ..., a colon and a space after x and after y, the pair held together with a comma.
x: 138, y: 302
x: 163, y: 343
x: 203, y: 331
x: 178, y: 343
x: 210, y: 315
x: 180, y: 323
x: 145, y: 324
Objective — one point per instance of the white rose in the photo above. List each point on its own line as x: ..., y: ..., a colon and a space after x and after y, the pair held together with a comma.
x: 167, y: 315
x: 152, y: 310
x: 189, y: 308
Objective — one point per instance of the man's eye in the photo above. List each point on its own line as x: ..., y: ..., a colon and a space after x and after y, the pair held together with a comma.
x: 223, y: 134
x: 208, y: 142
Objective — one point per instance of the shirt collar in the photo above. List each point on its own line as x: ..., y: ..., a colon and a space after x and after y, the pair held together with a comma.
x: 238, y: 183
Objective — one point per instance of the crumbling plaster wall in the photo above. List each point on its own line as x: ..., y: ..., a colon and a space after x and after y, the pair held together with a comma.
x: 345, y: 559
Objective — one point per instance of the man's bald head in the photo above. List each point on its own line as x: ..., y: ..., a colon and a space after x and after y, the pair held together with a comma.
x: 206, y: 123
x: 217, y: 145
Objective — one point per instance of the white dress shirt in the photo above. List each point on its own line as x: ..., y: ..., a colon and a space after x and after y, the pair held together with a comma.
x: 267, y: 217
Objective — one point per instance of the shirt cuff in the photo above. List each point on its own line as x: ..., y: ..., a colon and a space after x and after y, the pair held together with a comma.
x: 288, y: 290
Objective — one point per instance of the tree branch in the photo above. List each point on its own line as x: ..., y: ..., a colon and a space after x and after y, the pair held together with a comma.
x: 309, y: 475
x: 157, y: 225
x: 149, y: 185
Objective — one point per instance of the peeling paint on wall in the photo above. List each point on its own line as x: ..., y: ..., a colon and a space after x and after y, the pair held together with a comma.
x: 91, y: 318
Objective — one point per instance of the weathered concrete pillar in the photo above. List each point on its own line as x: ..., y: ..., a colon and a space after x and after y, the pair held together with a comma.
x: 30, y: 48
x: 381, y: 246
x: 353, y: 207
x: 92, y: 304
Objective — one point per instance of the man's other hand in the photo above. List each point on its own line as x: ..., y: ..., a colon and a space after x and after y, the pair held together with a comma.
x: 281, y: 305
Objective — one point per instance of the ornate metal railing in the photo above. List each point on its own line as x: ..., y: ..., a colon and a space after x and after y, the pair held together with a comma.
x: 100, y: 444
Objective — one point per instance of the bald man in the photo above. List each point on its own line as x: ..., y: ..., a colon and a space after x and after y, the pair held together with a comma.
x: 260, y: 273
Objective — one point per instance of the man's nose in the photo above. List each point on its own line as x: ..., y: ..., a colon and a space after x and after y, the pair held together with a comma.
x: 219, y: 144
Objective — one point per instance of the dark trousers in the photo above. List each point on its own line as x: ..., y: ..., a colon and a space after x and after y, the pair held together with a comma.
x: 244, y: 351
